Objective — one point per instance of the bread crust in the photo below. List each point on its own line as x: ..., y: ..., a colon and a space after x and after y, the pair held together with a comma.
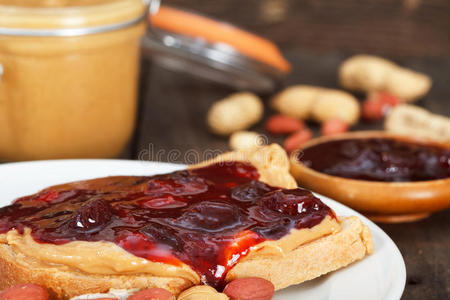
x: 312, y: 259
x: 306, y: 262
x: 271, y: 161
x: 65, y: 284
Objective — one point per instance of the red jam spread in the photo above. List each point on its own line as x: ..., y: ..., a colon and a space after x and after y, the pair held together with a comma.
x: 378, y: 159
x: 192, y: 216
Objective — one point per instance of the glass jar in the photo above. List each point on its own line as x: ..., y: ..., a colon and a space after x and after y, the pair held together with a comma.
x: 69, y: 82
x: 210, y: 49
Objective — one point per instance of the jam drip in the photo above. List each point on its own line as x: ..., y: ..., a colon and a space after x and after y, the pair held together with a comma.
x: 208, y: 217
x: 378, y: 159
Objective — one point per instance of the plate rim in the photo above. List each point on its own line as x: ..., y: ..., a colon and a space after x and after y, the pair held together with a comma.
x: 393, y: 293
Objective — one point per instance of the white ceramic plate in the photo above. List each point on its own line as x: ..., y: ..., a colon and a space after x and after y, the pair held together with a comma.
x: 382, y: 275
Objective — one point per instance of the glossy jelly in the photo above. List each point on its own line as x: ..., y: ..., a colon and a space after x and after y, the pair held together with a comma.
x: 378, y: 159
x: 192, y: 216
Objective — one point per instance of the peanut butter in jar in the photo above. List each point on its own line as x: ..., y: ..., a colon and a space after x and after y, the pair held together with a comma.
x: 69, y: 77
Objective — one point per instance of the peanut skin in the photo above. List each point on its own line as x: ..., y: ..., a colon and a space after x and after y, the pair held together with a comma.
x: 235, y: 113
x: 153, y: 293
x: 251, y: 288
x: 295, y: 140
x: 283, y: 124
x: 101, y: 299
x: 24, y: 292
x: 332, y: 127
x: 367, y: 73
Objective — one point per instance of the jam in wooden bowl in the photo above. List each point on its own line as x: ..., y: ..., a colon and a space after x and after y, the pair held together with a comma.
x: 388, y: 177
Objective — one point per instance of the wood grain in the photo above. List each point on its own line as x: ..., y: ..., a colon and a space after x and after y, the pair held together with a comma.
x: 390, y: 27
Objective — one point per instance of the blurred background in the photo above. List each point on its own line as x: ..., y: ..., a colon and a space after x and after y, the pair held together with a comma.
x: 398, y: 28
x: 315, y: 37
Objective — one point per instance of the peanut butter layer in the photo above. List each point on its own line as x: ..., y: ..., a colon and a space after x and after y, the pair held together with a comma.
x: 207, y: 218
x: 108, y: 258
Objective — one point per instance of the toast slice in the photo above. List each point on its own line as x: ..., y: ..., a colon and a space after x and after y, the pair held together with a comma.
x: 306, y: 262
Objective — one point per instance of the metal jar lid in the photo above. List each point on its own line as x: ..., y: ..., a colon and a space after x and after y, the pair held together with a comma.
x: 62, y: 18
x: 217, y: 51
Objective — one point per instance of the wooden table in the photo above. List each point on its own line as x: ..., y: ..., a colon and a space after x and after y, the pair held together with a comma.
x: 315, y: 36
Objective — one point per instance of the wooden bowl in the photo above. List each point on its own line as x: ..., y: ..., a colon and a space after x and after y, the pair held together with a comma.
x: 390, y: 202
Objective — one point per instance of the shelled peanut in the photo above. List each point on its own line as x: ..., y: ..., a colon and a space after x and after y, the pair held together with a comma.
x: 201, y: 292
x: 236, y: 112
x: 317, y: 103
x: 415, y: 121
x: 153, y: 293
x: 367, y: 73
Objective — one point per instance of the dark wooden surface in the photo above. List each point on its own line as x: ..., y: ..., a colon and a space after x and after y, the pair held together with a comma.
x: 315, y: 36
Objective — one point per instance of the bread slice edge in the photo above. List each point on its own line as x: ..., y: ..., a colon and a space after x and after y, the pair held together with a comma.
x: 308, y: 261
